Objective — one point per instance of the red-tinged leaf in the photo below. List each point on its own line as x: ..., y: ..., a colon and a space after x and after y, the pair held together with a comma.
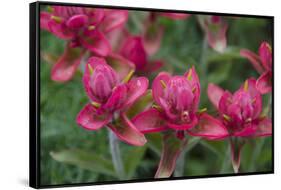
x: 157, y: 86
x: 136, y: 88
x: 215, y: 93
x: 96, y: 42
x: 209, y: 128
x: 265, y: 53
x: 67, y: 64
x: 114, y: 19
x: 125, y: 130
x: 172, y: 146
x: 90, y: 120
x: 149, y: 121
x: 121, y: 65
x: 264, y: 83
x: 143, y: 103
x: 253, y: 58
x: 264, y: 128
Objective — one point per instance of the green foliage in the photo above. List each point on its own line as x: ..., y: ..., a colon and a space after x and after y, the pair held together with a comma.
x: 86, y: 160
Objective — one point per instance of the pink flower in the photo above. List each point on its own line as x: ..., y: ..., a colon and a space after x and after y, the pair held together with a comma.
x: 84, y: 29
x: 177, y: 100
x: 215, y: 28
x: 110, y: 97
x: 241, y: 113
x: 133, y: 50
x: 263, y: 64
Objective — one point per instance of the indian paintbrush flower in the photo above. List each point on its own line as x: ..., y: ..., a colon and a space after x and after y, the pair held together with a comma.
x: 263, y: 64
x: 176, y: 109
x: 83, y: 29
x: 241, y: 113
x: 110, y: 96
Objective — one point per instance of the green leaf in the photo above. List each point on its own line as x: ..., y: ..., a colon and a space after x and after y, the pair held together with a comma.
x: 154, y: 142
x: 229, y: 54
x: 133, y: 159
x: 86, y: 160
x: 141, y: 104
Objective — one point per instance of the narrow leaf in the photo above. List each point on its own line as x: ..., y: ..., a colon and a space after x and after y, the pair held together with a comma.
x: 86, y: 160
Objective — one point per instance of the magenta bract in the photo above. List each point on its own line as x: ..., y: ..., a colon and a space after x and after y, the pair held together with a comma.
x: 133, y: 50
x: 241, y: 111
x: 110, y: 95
x: 177, y: 99
x: 85, y: 28
x: 263, y: 64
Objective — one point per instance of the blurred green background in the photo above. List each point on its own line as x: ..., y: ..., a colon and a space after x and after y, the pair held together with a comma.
x: 83, y: 156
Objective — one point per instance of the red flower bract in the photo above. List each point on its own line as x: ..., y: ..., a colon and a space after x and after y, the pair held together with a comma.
x: 177, y: 99
x: 133, y: 50
x: 84, y: 28
x: 241, y: 114
x: 110, y: 97
x: 263, y: 64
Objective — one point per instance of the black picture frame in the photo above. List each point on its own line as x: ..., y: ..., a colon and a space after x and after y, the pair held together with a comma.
x: 34, y: 95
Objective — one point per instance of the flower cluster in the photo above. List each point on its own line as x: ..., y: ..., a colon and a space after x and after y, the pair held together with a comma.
x: 115, y: 76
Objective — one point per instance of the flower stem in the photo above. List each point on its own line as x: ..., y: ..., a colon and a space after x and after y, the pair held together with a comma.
x: 116, y: 155
x: 180, y: 165
x: 203, y: 61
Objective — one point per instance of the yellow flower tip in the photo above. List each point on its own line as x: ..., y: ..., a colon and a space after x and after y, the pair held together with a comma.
x: 226, y: 117
x: 50, y: 9
x: 164, y: 85
x: 129, y: 76
x: 56, y: 18
x: 156, y: 106
x: 92, y: 27
x: 202, y: 110
x: 91, y: 70
x: 96, y: 104
x: 189, y: 75
x: 246, y: 85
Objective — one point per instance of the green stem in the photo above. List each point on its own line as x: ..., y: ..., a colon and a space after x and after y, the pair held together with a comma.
x: 116, y: 155
x: 203, y: 61
x: 180, y: 164
x: 179, y: 170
